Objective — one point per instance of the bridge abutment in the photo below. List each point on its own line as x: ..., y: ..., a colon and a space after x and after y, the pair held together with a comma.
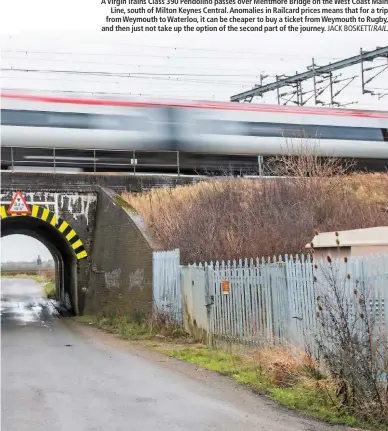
x: 121, y: 263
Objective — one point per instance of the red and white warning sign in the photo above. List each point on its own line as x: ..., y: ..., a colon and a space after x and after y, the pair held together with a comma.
x: 19, y: 205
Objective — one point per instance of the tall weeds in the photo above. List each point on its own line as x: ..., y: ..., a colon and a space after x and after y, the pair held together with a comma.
x: 233, y: 218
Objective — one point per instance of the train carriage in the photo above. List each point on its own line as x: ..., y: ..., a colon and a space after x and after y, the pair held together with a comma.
x: 199, y: 131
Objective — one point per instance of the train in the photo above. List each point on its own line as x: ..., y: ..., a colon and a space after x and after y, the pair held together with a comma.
x: 199, y: 131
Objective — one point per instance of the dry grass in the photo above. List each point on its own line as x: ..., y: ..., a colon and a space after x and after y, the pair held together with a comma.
x: 236, y: 218
x: 47, y: 275
x: 281, y: 366
x: 371, y: 188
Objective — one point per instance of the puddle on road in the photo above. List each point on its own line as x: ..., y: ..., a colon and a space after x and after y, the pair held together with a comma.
x: 29, y: 310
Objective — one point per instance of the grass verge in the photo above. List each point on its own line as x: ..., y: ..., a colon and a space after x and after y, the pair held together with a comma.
x: 127, y: 329
x: 37, y: 278
x: 292, y: 381
x: 119, y: 326
x: 49, y: 289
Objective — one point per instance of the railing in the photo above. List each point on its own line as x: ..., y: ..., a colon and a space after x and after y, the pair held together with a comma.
x: 91, y: 160
x: 128, y: 161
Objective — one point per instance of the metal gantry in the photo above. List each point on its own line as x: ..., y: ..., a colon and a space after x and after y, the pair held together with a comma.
x: 324, y: 80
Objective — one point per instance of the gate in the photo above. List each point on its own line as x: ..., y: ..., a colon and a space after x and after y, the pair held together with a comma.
x: 166, y: 284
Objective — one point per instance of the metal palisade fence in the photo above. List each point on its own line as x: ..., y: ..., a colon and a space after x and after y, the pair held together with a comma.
x: 262, y: 301
x: 272, y: 301
x: 166, y: 284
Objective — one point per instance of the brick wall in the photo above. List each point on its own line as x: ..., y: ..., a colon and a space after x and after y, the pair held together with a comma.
x: 42, y: 181
x: 120, y: 280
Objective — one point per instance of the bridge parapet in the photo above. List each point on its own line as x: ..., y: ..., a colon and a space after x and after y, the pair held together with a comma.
x: 90, y: 182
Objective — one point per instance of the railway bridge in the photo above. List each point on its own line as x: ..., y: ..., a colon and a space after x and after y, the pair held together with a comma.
x: 101, y: 249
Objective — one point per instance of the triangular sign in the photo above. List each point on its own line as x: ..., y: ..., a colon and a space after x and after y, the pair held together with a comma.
x: 19, y: 205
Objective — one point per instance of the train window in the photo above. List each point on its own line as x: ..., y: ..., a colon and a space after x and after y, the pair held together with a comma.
x: 288, y: 130
x: 385, y: 134
x: 73, y: 120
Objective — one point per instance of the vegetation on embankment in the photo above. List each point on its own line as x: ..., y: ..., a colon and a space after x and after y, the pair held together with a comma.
x: 290, y: 378
x: 124, y: 204
x: 233, y: 218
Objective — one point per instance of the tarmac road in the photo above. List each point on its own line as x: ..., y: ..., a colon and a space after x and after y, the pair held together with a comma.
x: 57, y: 375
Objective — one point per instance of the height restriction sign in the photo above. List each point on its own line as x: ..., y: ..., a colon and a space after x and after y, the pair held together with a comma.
x: 19, y: 205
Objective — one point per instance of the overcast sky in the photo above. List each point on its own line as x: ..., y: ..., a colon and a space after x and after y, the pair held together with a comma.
x: 22, y: 248
x: 207, y: 66
x: 204, y: 66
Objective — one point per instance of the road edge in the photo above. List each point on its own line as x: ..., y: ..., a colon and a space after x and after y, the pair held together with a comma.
x: 144, y: 350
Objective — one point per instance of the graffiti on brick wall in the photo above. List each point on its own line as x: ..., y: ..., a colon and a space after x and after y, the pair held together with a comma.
x: 77, y: 204
x: 112, y: 279
x: 136, y: 279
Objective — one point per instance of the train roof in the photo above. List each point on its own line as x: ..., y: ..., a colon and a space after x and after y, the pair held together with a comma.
x: 110, y: 100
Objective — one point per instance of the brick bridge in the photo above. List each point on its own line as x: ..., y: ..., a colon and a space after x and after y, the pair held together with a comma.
x: 102, y: 251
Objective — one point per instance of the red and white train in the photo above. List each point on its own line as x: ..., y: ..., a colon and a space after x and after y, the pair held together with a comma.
x: 216, y: 128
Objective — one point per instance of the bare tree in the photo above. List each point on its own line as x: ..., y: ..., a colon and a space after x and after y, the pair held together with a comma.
x: 301, y: 160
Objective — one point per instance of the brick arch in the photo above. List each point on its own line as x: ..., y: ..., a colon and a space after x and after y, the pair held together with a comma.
x: 61, y: 225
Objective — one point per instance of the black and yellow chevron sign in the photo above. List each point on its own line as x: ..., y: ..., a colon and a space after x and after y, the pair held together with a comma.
x: 61, y: 225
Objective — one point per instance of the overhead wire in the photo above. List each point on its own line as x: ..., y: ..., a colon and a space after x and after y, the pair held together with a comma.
x: 172, y: 78
x: 257, y: 75
x: 218, y: 50
x: 212, y: 57
x: 143, y: 65
x: 171, y: 73
x: 122, y: 94
x: 104, y: 93
x: 168, y: 86
x: 181, y: 48
x: 104, y: 54
x: 135, y: 75
x: 164, y: 77
x: 143, y: 78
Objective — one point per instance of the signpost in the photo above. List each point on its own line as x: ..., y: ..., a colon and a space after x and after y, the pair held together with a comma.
x: 18, y: 205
